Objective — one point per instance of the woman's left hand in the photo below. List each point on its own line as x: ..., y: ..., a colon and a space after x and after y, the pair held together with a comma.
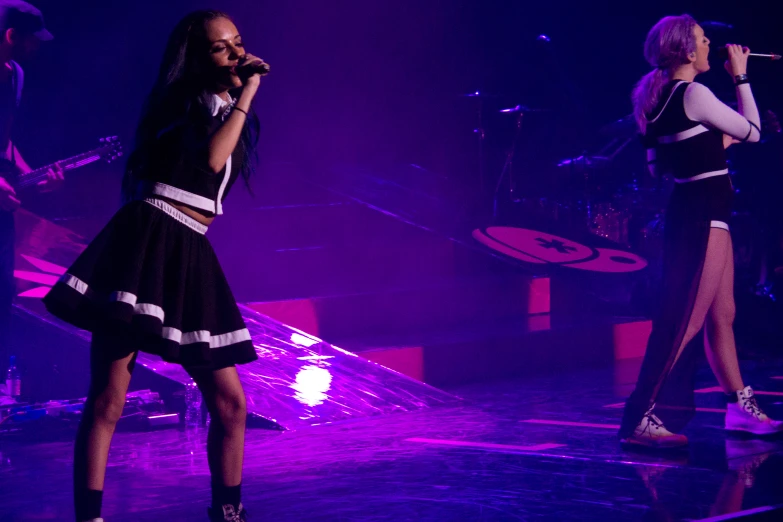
x: 738, y: 60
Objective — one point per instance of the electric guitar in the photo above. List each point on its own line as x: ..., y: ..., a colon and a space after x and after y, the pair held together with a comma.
x: 109, y: 150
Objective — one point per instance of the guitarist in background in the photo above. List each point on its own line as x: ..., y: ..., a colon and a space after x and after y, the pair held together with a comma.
x: 21, y: 33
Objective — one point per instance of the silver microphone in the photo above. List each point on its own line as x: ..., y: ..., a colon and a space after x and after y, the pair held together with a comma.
x: 724, y: 53
x: 767, y: 56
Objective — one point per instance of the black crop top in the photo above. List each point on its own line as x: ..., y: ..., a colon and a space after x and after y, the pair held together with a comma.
x: 178, y: 168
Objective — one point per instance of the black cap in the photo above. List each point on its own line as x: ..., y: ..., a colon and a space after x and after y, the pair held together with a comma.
x: 19, y: 15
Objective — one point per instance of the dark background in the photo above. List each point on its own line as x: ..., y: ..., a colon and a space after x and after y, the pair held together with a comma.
x: 371, y: 83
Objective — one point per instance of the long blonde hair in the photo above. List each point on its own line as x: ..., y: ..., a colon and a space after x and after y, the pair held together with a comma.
x: 668, y: 45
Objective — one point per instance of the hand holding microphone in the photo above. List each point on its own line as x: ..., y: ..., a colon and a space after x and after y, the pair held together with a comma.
x: 737, y: 63
x: 250, y: 69
x: 724, y: 53
x: 737, y: 58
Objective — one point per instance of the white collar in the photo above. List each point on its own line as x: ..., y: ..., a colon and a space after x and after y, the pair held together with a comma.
x: 218, y: 104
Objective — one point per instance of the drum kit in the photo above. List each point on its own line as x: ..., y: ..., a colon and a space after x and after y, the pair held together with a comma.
x: 590, y: 194
x: 611, y: 195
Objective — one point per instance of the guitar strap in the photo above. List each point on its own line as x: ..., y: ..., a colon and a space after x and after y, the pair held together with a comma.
x: 17, y: 83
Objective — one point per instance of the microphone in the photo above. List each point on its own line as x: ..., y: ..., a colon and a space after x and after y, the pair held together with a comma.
x: 724, y: 53
x: 248, y: 70
x: 772, y: 57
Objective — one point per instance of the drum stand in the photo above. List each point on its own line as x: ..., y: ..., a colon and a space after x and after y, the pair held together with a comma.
x: 507, y: 169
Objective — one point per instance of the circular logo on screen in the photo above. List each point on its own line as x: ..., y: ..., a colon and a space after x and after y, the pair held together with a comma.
x: 533, y: 246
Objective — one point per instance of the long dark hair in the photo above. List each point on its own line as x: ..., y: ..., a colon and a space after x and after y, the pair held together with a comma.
x: 179, y: 94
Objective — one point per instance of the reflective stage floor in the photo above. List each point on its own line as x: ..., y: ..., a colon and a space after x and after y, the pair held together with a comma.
x: 533, y: 449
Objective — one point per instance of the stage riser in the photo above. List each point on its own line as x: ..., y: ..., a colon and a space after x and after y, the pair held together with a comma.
x: 297, y: 381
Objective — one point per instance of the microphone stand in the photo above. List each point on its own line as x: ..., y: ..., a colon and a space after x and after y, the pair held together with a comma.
x: 479, y: 130
x: 507, y: 169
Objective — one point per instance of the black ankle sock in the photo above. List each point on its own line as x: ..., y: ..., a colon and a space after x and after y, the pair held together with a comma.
x: 88, y: 504
x: 222, y: 495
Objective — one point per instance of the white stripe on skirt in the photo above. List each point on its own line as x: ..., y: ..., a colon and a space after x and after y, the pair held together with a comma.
x: 172, y: 334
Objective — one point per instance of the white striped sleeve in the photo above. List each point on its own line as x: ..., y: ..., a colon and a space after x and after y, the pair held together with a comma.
x: 703, y: 106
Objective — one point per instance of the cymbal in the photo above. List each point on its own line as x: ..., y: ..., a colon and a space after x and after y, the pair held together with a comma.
x: 521, y: 108
x: 714, y: 25
x: 584, y: 161
x: 625, y: 125
x: 478, y: 94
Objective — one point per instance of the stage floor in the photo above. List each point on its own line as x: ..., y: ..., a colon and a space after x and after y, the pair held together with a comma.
x: 533, y: 449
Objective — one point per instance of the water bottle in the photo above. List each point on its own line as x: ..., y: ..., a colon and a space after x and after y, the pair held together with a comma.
x: 13, y: 380
x: 192, y: 405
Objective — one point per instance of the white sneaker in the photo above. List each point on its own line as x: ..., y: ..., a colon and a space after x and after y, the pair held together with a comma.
x: 652, y: 433
x: 746, y: 415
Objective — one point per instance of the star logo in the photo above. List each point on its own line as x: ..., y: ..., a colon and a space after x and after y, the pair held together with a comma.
x: 556, y: 244
x: 47, y: 276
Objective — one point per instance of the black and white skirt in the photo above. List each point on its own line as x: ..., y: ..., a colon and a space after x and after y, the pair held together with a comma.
x: 152, y: 274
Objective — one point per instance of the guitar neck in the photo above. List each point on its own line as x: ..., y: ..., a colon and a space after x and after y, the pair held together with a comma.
x: 40, y: 174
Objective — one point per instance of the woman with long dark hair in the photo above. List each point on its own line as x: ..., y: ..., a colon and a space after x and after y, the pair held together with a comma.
x: 686, y: 130
x: 150, y: 280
